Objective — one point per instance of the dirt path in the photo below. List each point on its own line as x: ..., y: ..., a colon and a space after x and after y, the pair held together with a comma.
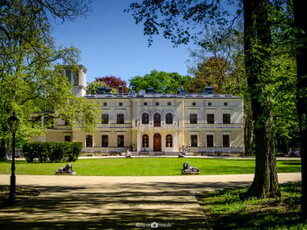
x: 88, y: 202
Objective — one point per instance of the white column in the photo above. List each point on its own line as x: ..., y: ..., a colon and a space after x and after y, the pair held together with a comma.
x: 139, y: 142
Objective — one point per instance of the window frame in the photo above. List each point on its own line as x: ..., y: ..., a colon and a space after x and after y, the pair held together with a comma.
x: 169, y: 141
x: 105, y: 120
x: 169, y: 118
x: 194, y: 140
x: 193, y: 118
x: 89, y: 141
x: 120, y: 119
x: 226, y: 140
x: 104, y: 141
x: 145, y: 141
x: 145, y: 122
x: 67, y: 140
x: 226, y: 118
x: 210, y: 141
x: 157, y: 122
x: 210, y: 118
x: 120, y: 141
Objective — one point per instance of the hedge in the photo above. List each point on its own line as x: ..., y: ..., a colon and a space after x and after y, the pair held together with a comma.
x: 52, y: 151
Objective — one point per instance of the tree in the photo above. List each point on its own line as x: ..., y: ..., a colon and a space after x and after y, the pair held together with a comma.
x: 30, y: 85
x: 300, y: 19
x: 257, y: 42
x: 92, y: 88
x: 176, y: 18
x: 113, y: 82
x: 211, y: 72
x: 161, y: 81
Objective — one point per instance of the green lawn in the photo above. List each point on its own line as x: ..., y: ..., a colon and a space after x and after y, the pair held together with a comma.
x: 147, y: 167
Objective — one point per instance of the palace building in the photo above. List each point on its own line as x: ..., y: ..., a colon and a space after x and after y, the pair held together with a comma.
x: 155, y: 123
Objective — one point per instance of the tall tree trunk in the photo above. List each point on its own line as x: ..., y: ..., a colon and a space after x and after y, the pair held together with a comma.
x: 248, y: 130
x: 257, y: 41
x: 300, y: 18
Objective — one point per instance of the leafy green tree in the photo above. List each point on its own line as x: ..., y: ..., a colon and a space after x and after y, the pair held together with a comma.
x: 30, y: 85
x: 300, y: 19
x: 162, y: 82
x: 92, y: 87
x: 257, y: 44
x: 211, y: 72
x: 180, y: 20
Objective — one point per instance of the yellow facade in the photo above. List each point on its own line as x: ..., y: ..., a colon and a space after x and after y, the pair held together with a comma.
x: 178, y: 134
x: 155, y: 123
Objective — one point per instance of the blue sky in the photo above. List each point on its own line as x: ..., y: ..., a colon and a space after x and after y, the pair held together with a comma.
x: 112, y: 44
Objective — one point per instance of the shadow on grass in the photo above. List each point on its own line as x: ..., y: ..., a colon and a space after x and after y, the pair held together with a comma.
x: 114, y: 206
x: 256, y: 213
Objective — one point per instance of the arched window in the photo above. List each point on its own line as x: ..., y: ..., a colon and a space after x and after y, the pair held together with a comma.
x: 157, y: 120
x: 89, y: 141
x: 145, y: 119
x: 145, y: 141
x: 169, y: 140
x: 169, y: 119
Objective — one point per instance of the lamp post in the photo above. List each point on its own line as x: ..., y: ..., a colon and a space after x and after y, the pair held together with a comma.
x: 13, y: 123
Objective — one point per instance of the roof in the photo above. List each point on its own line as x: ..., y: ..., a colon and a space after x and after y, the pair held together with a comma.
x: 161, y: 95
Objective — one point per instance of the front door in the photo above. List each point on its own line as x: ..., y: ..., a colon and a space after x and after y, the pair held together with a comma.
x: 157, y: 142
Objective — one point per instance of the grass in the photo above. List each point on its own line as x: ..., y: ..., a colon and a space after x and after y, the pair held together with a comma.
x: 147, y: 167
x: 225, y: 210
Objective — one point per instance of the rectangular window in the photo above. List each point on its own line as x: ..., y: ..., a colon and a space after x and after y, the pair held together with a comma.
x: 105, y: 104
x: 67, y: 138
x: 120, y: 119
x: 226, y: 118
x: 194, y: 141
x: 209, y: 103
x: 75, y: 78
x: 104, y: 141
x: 210, y: 118
x: 120, y: 104
x: 226, y: 141
x: 120, y: 141
x: 209, y: 140
x: 193, y: 118
x: 105, y: 119
x: 68, y: 75
x: 89, y: 141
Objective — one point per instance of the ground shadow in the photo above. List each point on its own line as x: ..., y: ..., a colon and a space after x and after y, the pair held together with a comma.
x: 120, y: 206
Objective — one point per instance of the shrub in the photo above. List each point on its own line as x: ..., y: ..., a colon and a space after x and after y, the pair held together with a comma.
x: 52, y: 151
